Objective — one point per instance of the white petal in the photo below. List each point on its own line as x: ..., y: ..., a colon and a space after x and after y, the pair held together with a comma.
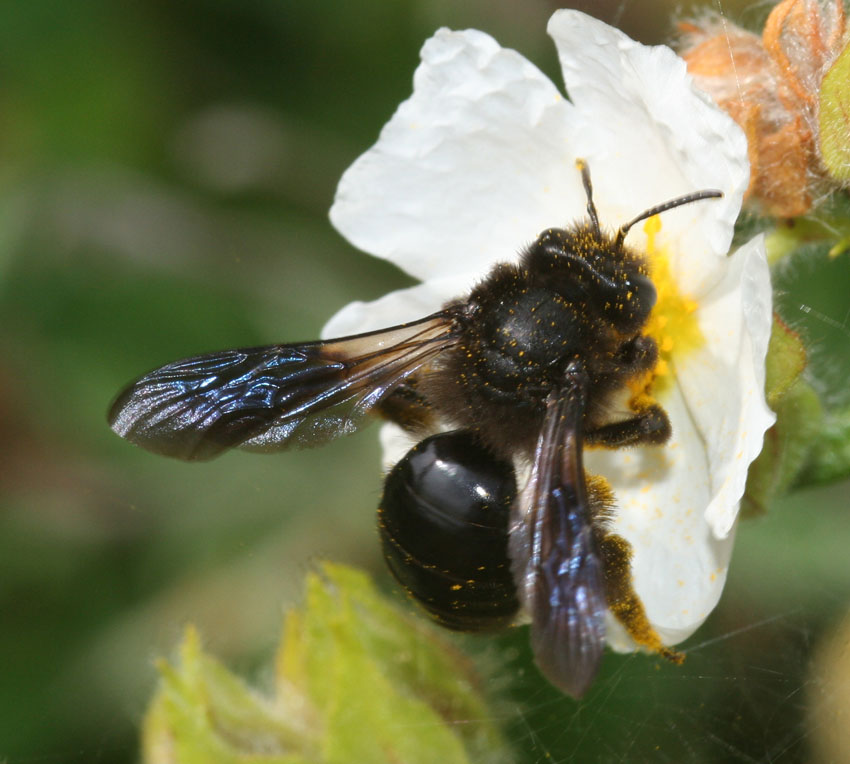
x: 679, y: 566
x: 677, y: 504
x: 653, y: 136
x: 397, y: 307
x: 469, y: 169
x: 723, y: 381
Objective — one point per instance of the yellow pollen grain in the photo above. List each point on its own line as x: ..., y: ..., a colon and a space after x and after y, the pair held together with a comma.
x: 672, y: 322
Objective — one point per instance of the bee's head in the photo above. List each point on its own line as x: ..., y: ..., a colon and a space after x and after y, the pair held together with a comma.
x: 598, y: 270
x: 597, y: 273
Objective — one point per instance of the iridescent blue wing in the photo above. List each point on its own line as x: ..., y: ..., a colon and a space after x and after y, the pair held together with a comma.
x: 276, y: 396
x: 555, y: 557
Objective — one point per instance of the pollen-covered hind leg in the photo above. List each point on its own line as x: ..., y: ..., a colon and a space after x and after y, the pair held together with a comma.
x: 616, y: 554
x: 623, y: 600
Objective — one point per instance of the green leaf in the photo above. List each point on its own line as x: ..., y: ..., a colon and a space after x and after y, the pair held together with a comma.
x: 203, y: 713
x: 349, y: 638
x: 786, y: 447
x: 356, y: 680
x: 834, y: 117
x: 785, y: 362
x: 798, y: 418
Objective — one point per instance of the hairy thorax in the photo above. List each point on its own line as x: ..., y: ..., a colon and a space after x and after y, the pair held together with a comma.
x: 518, y: 337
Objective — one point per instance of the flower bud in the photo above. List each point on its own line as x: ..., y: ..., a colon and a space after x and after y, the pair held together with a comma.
x: 769, y: 85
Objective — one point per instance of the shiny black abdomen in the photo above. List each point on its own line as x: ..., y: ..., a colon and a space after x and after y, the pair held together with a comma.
x: 443, y: 521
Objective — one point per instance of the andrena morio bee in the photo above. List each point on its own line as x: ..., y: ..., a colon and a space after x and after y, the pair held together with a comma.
x: 517, y: 377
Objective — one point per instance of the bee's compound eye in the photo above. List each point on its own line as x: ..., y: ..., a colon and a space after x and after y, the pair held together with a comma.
x: 644, y: 295
x: 443, y: 522
x: 631, y: 310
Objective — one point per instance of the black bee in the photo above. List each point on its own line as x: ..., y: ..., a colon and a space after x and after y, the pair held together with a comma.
x: 524, y: 371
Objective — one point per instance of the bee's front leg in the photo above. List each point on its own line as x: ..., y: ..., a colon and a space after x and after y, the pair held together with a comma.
x: 649, y: 427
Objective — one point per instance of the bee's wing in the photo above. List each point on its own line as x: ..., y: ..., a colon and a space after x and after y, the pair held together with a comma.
x: 558, y: 568
x: 276, y: 396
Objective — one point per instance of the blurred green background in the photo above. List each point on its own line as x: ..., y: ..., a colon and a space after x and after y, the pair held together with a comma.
x: 165, y: 174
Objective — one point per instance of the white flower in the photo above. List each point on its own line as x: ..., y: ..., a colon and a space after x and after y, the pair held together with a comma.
x: 481, y: 158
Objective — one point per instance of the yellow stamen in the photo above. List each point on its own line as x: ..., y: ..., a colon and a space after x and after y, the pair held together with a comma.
x: 672, y: 323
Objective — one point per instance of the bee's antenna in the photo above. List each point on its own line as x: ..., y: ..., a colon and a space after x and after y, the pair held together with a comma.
x: 658, y: 209
x: 582, y: 167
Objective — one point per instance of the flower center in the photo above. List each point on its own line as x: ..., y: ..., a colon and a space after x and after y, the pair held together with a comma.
x: 672, y: 322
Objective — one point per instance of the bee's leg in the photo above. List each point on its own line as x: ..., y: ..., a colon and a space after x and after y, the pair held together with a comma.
x: 650, y: 427
x: 624, y: 602
x: 408, y: 408
x: 616, y: 555
x: 638, y: 355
